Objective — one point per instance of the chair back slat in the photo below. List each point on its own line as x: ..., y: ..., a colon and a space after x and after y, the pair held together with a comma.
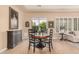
x: 51, y: 34
x: 30, y: 34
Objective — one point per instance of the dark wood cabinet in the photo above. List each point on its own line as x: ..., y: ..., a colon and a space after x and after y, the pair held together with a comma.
x: 13, y: 38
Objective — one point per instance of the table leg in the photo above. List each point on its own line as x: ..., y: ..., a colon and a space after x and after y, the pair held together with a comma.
x: 61, y: 37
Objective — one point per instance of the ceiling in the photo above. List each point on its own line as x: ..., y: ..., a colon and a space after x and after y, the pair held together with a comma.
x: 50, y: 8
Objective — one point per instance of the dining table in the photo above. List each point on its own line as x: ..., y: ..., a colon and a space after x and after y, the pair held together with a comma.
x: 40, y: 37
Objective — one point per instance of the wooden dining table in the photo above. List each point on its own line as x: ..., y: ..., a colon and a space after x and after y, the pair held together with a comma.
x: 40, y: 37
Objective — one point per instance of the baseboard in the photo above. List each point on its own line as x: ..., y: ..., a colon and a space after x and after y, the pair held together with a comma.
x: 2, y: 50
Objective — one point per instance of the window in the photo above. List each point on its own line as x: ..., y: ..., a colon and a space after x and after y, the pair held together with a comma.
x: 57, y: 25
x: 65, y: 23
x: 39, y: 23
x: 75, y: 24
x: 68, y: 23
x: 61, y: 23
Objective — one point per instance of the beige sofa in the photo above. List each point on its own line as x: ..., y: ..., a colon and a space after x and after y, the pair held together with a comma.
x: 73, y: 37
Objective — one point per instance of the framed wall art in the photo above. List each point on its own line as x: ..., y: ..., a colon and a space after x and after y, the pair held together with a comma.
x: 50, y: 24
x: 27, y: 24
x: 13, y: 19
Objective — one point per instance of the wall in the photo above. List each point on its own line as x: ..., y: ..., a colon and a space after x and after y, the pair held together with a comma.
x: 4, y: 14
x: 4, y: 23
x: 50, y: 16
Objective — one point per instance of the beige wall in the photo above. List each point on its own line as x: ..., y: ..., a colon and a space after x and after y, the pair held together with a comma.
x: 3, y: 26
x: 4, y: 23
x: 50, y: 16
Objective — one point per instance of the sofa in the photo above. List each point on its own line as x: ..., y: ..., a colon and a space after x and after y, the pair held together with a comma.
x: 73, y: 36
x: 70, y: 36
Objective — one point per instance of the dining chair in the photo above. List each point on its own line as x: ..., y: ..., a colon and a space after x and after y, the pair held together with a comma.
x: 32, y: 41
x: 49, y: 40
x: 50, y: 37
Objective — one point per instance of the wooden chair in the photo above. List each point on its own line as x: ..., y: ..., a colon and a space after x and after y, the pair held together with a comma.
x: 49, y: 40
x: 32, y: 42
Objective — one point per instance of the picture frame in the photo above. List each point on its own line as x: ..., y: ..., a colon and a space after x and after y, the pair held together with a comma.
x: 50, y: 24
x: 27, y: 24
x: 13, y: 19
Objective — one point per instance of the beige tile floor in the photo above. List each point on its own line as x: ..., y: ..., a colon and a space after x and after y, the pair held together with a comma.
x: 60, y: 47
